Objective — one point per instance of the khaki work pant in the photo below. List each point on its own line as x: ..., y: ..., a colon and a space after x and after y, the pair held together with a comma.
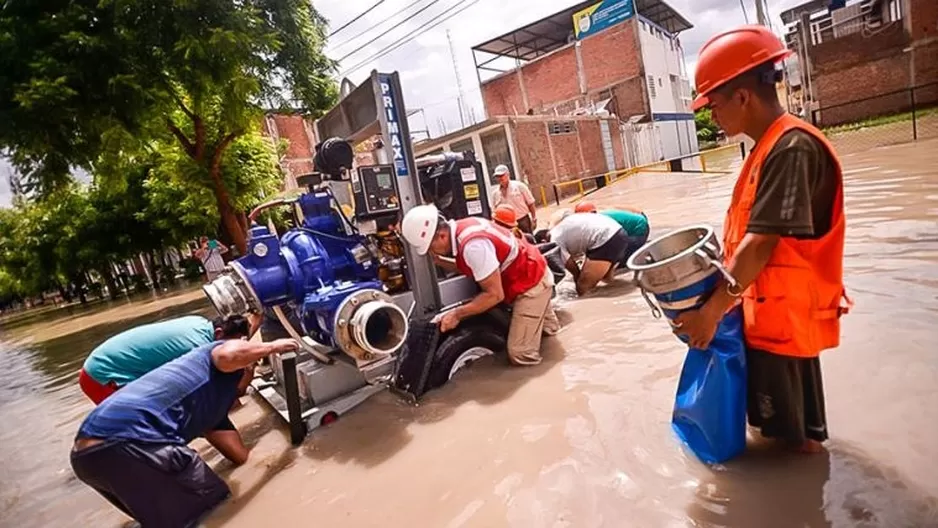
x: 532, y: 315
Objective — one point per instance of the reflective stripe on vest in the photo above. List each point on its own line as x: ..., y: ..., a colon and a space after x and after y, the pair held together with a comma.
x: 521, y: 265
x: 511, y: 241
x: 793, y: 307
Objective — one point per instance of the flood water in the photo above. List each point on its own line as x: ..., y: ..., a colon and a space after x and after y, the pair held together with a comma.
x: 584, y: 439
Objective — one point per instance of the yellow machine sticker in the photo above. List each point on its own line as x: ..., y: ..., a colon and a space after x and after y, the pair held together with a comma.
x: 472, y: 191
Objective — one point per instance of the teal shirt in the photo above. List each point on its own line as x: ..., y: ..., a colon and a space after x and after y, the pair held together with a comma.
x: 131, y: 354
x: 634, y: 224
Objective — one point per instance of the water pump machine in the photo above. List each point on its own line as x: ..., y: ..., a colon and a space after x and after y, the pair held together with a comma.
x: 343, y: 283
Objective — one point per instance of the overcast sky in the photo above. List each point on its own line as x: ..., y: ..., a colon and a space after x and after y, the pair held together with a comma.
x: 425, y: 62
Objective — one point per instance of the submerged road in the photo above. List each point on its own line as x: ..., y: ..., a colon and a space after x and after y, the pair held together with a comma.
x: 584, y: 439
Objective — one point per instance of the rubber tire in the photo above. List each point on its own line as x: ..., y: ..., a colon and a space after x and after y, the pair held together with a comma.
x: 458, y: 341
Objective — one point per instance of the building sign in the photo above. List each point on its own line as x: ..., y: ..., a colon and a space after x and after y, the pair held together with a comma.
x: 393, y: 118
x: 600, y: 16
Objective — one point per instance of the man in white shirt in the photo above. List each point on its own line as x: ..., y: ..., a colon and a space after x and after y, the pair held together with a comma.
x: 600, y: 238
x: 517, y: 195
x: 507, y: 269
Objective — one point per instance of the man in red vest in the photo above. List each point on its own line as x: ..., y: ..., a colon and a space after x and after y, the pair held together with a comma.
x: 508, y: 269
x: 783, y: 239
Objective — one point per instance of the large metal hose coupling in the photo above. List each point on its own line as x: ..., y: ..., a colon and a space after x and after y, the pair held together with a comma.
x: 369, y: 325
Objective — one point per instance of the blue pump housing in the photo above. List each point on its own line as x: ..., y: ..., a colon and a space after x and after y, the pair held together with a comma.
x: 312, y: 269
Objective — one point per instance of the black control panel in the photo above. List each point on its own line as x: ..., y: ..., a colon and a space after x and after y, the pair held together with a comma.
x: 375, y: 190
x: 457, y: 188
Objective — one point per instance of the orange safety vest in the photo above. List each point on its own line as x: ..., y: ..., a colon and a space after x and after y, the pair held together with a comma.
x: 521, y: 264
x: 793, y: 307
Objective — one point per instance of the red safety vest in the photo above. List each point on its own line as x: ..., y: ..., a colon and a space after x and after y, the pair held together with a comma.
x: 793, y: 307
x: 521, y: 264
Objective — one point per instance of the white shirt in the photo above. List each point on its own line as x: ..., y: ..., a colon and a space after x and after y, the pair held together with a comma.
x: 479, y: 254
x: 518, y: 196
x: 582, y: 232
x: 213, y: 262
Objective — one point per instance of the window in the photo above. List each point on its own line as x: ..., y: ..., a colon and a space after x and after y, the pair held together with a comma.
x: 651, y: 87
x: 895, y: 10
x: 556, y: 128
x: 659, y: 82
x: 644, y: 26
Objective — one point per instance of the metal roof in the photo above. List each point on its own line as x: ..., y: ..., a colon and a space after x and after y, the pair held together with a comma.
x: 556, y: 31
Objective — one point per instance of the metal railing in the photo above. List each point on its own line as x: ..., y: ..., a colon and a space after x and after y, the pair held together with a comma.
x: 693, y: 163
x: 900, y: 116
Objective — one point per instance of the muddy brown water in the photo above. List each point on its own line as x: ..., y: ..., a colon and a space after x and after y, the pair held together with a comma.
x: 583, y: 439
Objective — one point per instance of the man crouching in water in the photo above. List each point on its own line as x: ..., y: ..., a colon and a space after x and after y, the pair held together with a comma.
x: 132, y: 448
x: 507, y: 269
x: 783, y: 238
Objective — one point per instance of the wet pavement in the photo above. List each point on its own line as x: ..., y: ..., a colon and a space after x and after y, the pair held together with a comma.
x: 584, y: 439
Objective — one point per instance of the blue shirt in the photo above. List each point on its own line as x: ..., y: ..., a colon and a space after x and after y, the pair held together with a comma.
x: 131, y: 354
x: 171, y: 404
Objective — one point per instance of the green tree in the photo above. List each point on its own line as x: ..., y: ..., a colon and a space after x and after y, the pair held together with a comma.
x: 707, y: 128
x: 91, y: 76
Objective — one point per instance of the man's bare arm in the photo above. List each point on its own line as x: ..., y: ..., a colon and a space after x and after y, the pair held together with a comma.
x: 237, y: 354
x: 752, y: 256
x: 492, y: 293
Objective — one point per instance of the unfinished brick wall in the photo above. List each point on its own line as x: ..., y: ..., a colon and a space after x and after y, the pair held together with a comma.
x: 853, y: 67
x: 611, y: 62
x: 611, y: 55
x: 923, y: 15
x: 301, y: 142
x: 502, y: 96
x: 870, y: 67
x: 533, y: 153
x: 551, y: 79
x: 592, y: 146
x: 545, y: 158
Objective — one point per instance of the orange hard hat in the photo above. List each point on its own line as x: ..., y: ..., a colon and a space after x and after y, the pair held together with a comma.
x: 585, y: 207
x: 732, y: 53
x: 505, y: 215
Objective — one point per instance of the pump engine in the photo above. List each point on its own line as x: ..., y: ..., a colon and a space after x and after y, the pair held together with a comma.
x: 337, y: 270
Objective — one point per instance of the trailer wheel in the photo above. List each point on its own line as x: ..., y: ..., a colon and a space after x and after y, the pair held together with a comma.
x: 461, y: 347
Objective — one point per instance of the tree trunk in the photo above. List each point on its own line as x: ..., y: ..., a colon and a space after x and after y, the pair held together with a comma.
x: 229, y: 218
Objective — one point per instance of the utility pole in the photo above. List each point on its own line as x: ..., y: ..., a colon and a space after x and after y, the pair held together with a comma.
x: 760, y: 13
x: 452, y: 52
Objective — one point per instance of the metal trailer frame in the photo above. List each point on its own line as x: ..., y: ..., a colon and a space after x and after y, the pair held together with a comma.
x: 375, y: 107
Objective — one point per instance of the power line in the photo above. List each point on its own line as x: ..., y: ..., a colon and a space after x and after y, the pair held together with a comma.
x: 407, y: 38
x: 373, y: 26
x: 392, y: 28
x: 352, y: 21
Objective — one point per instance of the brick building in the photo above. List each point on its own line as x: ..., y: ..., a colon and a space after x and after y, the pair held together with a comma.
x: 539, y: 149
x: 300, y: 137
x: 884, y: 52
x: 621, y: 56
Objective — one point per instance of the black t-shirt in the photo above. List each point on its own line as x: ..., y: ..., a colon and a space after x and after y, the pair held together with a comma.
x: 797, y: 188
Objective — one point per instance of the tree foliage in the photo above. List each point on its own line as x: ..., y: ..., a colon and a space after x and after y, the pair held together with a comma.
x: 707, y: 128
x: 91, y: 78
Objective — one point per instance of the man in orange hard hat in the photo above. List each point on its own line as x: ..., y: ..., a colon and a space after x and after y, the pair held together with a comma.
x: 783, y: 238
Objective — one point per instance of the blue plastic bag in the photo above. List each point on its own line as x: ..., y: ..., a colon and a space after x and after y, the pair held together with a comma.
x: 710, y: 406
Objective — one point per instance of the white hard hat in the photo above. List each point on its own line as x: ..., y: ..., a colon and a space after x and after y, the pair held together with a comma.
x: 419, y: 227
x: 501, y: 169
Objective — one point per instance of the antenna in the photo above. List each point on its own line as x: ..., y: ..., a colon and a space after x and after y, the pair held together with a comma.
x: 452, y: 52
